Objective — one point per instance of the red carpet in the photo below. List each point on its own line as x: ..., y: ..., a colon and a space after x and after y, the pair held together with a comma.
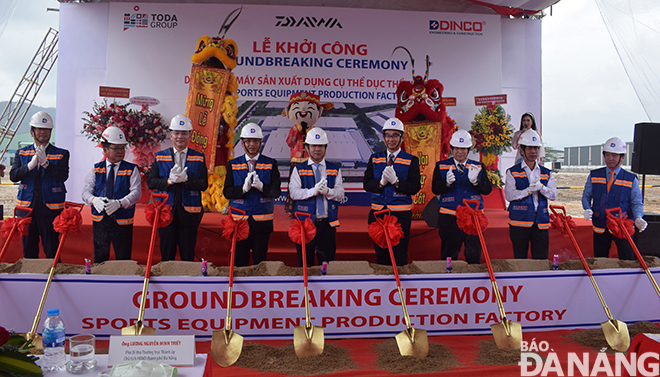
x: 353, y: 241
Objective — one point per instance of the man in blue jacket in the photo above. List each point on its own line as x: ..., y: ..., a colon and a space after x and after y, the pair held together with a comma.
x: 610, y: 187
x: 41, y: 169
x: 528, y: 188
x: 393, y: 177
x: 252, y: 184
x: 111, y: 189
x: 316, y: 187
x: 455, y: 179
x: 181, y: 173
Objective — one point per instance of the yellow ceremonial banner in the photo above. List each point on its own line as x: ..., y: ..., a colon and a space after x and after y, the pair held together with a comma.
x: 422, y: 139
x: 204, y: 108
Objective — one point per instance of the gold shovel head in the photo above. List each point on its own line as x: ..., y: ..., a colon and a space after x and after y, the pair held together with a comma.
x: 226, y: 347
x: 138, y: 329
x: 616, y: 334
x: 413, y: 342
x: 37, y: 340
x: 507, y: 334
x: 308, y: 341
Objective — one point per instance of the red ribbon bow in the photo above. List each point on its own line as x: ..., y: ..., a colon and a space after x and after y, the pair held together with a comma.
x: 165, y: 213
x: 70, y: 220
x: 22, y: 224
x: 556, y: 222
x: 230, y: 226
x: 377, y: 231
x: 614, y: 227
x: 465, y: 220
x: 298, y: 227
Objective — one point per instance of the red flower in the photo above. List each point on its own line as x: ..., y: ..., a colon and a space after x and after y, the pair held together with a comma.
x: 4, y: 336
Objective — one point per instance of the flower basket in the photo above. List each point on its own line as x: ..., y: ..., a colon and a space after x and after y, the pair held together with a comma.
x: 491, y: 135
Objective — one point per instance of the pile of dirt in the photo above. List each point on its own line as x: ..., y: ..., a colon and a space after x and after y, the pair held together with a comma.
x: 298, y: 271
x: 409, y: 269
x: 440, y: 358
x: 489, y: 354
x: 267, y: 359
x: 595, y: 338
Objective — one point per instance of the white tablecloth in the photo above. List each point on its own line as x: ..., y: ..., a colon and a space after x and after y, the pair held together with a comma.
x: 102, y: 366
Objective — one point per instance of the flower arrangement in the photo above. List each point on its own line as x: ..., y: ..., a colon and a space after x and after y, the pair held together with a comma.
x: 141, y: 127
x: 492, y: 130
x: 14, y: 358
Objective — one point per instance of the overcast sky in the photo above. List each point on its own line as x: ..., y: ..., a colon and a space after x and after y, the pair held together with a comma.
x: 587, y: 97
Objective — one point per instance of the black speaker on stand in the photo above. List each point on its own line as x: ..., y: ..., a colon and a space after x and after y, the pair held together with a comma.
x: 646, y: 160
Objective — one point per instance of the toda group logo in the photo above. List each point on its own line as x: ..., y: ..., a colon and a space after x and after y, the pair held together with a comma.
x: 142, y: 20
x: 456, y: 27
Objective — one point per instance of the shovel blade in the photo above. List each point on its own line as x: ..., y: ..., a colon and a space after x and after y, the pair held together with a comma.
x: 138, y: 329
x: 226, y: 347
x: 617, y: 335
x: 413, y: 342
x: 507, y: 334
x: 308, y: 341
x: 37, y: 340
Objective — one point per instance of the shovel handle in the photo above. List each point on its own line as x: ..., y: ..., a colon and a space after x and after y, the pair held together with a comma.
x: 299, y: 217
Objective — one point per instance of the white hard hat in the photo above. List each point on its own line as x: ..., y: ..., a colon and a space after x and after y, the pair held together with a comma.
x: 251, y: 131
x: 461, y: 139
x: 316, y: 136
x: 615, y: 145
x: 41, y: 119
x: 180, y: 123
x: 393, y: 124
x: 114, y: 135
x: 530, y: 138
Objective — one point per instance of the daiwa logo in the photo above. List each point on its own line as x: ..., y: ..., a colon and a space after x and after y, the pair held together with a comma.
x: 290, y: 21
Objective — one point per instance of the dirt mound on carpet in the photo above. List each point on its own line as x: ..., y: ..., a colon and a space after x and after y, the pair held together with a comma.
x: 489, y: 354
x: 267, y: 359
x: 440, y: 358
x: 595, y: 338
x: 409, y: 269
x: 298, y: 271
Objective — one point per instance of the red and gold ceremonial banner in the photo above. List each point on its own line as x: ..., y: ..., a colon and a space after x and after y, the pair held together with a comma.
x: 422, y: 139
x: 204, y: 108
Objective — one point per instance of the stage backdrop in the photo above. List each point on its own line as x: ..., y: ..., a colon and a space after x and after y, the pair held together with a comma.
x: 348, y: 306
x: 344, y: 55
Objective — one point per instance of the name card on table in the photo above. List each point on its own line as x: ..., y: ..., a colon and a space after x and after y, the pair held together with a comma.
x: 175, y: 350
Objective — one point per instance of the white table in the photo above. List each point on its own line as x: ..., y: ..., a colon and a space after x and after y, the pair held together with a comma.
x: 102, y: 366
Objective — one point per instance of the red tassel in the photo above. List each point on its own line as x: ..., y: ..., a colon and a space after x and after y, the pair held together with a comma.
x: 229, y: 225
x: 556, y: 222
x: 615, y: 229
x: 22, y: 228
x: 296, y: 229
x: 165, y: 213
x: 70, y: 220
x: 465, y: 221
x: 377, y: 231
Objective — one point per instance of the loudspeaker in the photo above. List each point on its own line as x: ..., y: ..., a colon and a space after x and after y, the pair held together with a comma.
x: 646, y: 153
x: 648, y: 242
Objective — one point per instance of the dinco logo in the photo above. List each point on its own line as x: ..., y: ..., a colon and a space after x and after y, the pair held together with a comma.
x: 458, y: 27
x: 290, y: 21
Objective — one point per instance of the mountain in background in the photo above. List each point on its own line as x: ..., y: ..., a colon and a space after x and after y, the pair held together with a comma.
x: 22, y: 136
x: 25, y: 124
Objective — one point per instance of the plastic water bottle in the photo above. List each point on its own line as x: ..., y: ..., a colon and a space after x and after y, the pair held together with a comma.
x: 53, y: 338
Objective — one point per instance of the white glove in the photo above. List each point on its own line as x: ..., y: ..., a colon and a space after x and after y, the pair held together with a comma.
x: 112, y: 206
x: 383, y: 178
x: 183, y: 176
x: 34, y: 162
x: 588, y: 214
x: 40, y: 152
x: 536, y: 186
x: 174, y: 176
x: 391, y: 175
x: 175, y: 170
x: 247, y: 184
x: 473, y: 173
x: 640, y: 224
x: 451, y: 178
x: 323, y: 187
x: 99, y: 203
x: 256, y: 182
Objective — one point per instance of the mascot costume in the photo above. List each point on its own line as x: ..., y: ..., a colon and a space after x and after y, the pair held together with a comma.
x: 428, y: 128
x: 211, y: 105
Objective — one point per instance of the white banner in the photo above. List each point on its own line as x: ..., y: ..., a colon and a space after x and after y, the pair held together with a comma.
x: 346, y: 306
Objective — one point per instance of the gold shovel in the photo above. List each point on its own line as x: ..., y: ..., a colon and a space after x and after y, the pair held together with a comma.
x: 615, y: 331
x: 507, y: 334
x: 139, y: 328
x: 17, y: 223
x: 308, y: 340
x: 411, y: 342
x: 619, y: 219
x: 36, y: 339
x: 226, y: 345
